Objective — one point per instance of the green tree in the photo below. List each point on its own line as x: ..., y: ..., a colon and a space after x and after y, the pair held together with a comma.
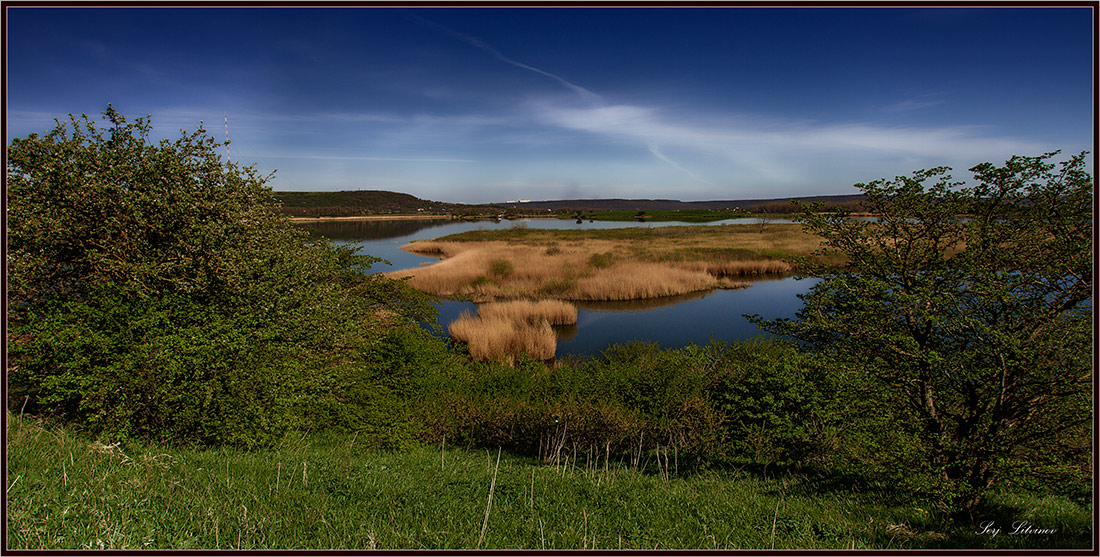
x: 154, y: 290
x: 965, y: 313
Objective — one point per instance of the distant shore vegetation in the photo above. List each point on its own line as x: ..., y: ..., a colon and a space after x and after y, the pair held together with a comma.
x: 353, y: 203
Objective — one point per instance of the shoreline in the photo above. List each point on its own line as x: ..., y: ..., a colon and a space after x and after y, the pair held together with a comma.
x: 371, y: 217
x: 411, y: 217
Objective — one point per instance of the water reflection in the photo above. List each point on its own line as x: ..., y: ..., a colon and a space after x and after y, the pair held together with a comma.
x: 384, y: 238
x: 716, y: 314
x: 640, y: 305
x: 672, y: 322
x: 565, y: 332
x: 371, y: 229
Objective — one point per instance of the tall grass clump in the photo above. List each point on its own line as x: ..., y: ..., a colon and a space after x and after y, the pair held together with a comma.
x: 746, y: 268
x: 632, y: 281
x: 506, y: 330
x: 555, y: 312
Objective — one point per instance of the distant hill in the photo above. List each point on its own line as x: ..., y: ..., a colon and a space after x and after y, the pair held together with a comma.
x: 368, y: 202
x: 379, y: 202
x: 775, y: 205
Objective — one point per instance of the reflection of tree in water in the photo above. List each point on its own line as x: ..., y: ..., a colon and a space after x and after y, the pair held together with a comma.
x: 370, y: 229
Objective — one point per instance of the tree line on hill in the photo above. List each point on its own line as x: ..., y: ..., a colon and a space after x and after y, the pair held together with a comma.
x: 379, y: 202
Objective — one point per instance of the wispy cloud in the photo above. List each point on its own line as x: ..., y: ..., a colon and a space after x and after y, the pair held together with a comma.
x: 657, y: 153
x: 770, y: 148
x: 596, y: 102
x: 482, y: 45
x: 909, y: 105
x: 359, y: 158
x: 920, y: 102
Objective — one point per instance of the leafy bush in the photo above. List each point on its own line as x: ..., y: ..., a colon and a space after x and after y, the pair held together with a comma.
x: 973, y: 334
x: 500, y: 268
x: 156, y: 293
x: 601, y: 260
x: 776, y: 401
x: 708, y: 404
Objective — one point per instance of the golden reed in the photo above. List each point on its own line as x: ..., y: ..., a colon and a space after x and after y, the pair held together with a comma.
x: 488, y: 271
x: 505, y: 330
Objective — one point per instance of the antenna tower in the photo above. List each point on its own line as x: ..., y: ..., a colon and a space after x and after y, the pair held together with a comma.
x: 227, y: 136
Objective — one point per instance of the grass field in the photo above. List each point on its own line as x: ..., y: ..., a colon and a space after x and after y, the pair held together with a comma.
x: 325, y: 492
x: 616, y: 264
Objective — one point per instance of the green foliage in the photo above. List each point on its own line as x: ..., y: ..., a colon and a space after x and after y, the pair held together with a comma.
x: 366, y: 202
x: 375, y: 394
x: 155, y: 293
x: 707, y: 404
x: 601, y: 260
x: 558, y: 285
x: 165, y: 369
x: 501, y: 268
x: 966, y: 313
x: 778, y: 403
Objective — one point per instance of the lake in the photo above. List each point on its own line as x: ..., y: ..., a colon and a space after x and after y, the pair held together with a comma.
x: 672, y: 322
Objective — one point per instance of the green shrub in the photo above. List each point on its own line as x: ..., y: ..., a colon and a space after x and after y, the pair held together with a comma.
x: 775, y: 402
x: 558, y: 286
x: 500, y: 268
x: 601, y: 260
x: 156, y: 293
x: 707, y: 404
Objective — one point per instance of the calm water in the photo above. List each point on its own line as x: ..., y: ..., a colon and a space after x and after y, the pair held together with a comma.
x: 672, y: 322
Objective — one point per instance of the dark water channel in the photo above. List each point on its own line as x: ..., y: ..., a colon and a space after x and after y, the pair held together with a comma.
x: 671, y: 322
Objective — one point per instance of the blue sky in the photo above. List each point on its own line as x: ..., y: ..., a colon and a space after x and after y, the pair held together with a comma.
x: 492, y: 104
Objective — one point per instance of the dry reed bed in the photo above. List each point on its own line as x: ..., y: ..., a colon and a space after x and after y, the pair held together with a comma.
x: 507, y: 329
x: 592, y: 270
x: 554, y: 312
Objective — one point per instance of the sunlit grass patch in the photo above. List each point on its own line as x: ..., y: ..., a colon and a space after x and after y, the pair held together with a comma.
x: 555, y: 312
x: 603, y: 265
x: 505, y: 330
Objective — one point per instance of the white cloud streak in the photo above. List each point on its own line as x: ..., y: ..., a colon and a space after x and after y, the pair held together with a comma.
x: 657, y: 153
x: 482, y: 45
x: 358, y: 158
x: 773, y: 149
x: 595, y: 101
x: 909, y: 105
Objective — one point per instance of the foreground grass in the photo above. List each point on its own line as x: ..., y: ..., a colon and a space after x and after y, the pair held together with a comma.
x: 326, y: 492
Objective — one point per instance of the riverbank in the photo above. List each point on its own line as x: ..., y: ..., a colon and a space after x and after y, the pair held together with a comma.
x: 419, y: 216
x: 608, y: 264
x: 372, y: 217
